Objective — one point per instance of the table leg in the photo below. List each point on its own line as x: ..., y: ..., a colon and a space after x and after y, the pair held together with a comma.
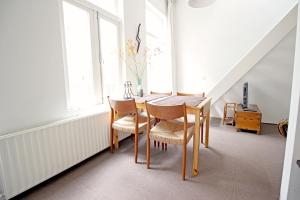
x: 196, y: 144
x: 207, y: 124
x: 202, y: 126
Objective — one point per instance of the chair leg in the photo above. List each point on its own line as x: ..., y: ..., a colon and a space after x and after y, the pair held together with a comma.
x: 158, y: 144
x: 154, y: 143
x: 116, y: 140
x: 162, y: 146
x: 202, y: 132
x: 183, y: 161
x: 166, y: 146
x: 148, y: 152
x: 111, y: 140
x: 136, y: 140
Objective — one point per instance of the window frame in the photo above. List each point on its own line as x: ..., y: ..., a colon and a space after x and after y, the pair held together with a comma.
x: 118, y: 24
x: 94, y: 12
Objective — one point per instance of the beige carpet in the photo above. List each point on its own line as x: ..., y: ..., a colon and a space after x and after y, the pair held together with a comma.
x: 237, y: 166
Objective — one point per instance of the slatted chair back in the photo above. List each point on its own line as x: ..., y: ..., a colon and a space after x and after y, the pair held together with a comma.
x: 166, y: 112
x: 122, y: 107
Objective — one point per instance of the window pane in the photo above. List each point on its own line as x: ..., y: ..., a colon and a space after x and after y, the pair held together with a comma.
x: 110, y: 58
x: 109, y: 5
x: 79, y: 56
x: 155, y: 24
x: 160, y: 69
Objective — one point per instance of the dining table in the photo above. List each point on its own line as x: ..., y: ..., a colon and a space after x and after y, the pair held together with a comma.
x: 195, y: 105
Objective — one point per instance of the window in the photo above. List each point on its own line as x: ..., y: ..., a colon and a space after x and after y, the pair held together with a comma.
x: 111, y: 6
x: 110, y: 57
x: 159, y: 69
x: 79, y: 56
x: 92, y: 45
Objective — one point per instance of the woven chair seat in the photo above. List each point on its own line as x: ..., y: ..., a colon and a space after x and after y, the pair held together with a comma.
x: 171, y: 132
x: 127, y: 124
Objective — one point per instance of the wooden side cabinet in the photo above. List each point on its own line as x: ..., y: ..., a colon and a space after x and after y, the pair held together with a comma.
x: 248, y: 119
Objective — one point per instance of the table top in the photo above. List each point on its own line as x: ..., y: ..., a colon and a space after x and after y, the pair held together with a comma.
x: 191, y: 101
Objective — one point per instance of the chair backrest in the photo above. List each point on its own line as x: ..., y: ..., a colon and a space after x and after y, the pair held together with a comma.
x: 163, y: 93
x: 122, y: 107
x: 166, y: 112
x: 190, y: 94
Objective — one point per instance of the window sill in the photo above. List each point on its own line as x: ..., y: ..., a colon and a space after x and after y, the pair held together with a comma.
x: 90, y: 111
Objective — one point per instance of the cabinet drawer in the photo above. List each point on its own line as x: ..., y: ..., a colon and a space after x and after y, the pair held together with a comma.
x: 247, y: 119
x: 248, y: 124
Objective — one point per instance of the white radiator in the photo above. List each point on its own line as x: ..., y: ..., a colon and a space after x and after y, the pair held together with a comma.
x: 30, y: 157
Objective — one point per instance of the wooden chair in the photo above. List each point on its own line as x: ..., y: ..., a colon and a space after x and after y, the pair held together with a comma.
x: 229, y: 108
x: 125, y: 118
x: 169, y: 130
x: 163, y: 146
x: 191, y: 117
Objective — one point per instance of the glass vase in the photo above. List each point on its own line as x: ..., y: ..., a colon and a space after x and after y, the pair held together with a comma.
x: 139, y: 88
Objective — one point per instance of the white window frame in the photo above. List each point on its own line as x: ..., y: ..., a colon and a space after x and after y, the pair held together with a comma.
x: 95, y: 12
x: 118, y: 24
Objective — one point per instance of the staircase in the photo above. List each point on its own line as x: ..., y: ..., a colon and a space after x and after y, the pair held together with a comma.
x: 254, y: 55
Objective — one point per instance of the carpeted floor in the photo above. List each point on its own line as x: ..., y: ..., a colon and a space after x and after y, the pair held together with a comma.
x: 236, y: 166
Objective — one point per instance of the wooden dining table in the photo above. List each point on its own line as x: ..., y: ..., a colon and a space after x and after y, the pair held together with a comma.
x: 198, y: 106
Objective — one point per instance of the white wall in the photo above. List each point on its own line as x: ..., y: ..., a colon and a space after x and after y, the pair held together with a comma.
x: 270, y: 83
x: 31, y: 64
x: 161, y: 5
x: 1, y: 189
x: 290, y: 185
x: 211, y: 40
